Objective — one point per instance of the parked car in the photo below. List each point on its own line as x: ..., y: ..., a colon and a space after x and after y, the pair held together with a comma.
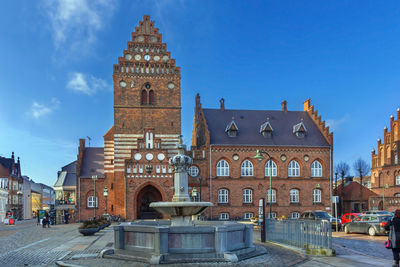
x: 378, y: 212
x: 348, y: 217
x: 368, y: 224
x: 320, y: 215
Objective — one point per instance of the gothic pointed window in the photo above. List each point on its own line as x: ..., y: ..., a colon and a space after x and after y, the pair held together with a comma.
x: 151, y: 97
x: 143, y: 98
x: 232, y: 129
x: 300, y: 130
x: 270, y: 168
x: 222, y: 168
x: 247, y: 168
x: 294, y: 169
x: 316, y: 169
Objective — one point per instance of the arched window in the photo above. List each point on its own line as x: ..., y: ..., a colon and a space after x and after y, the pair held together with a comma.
x: 271, y: 196
x: 398, y: 179
x: 294, y: 215
x: 223, y: 196
x: 247, y: 196
x: 247, y: 168
x: 294, y: 196
x: 151, y: 97
x: 316, y: 169
x: 397, y: 195
x: 294, y: 169
x: 317, y: 195
x: 270, y: 165
x: 143, y: 98
x: 92, y: 202
x: 222, y: 168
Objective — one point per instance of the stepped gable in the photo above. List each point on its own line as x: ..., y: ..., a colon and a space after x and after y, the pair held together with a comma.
x: 307, y: 107
x: 146, y: 54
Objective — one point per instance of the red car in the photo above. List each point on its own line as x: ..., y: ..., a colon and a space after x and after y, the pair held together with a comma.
x: 348, y: 217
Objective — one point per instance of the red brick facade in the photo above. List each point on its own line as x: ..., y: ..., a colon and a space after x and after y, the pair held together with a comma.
x: 385, y: 171
x: 147, y: 125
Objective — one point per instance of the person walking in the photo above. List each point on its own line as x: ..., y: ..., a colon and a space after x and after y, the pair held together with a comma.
x: 66, y: 216
x: 38, y: 218
x: 46, y: 220
x: 394, y: 234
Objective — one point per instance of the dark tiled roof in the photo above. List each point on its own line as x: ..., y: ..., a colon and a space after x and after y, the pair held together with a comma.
x: 6, y: 162
x: 67, y: 177
x: 70, y: 179
x: 249, y: 122
x: 93, y: 162
x: 71, y: 167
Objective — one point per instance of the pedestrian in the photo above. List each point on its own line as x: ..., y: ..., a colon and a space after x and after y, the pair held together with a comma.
x: 38, y: 218
x: 46, y: 220
x: 66, y: 217
x: 394, y: 234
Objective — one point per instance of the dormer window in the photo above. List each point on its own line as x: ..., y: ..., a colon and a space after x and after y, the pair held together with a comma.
x: 266, y: 130
x: 300, y: 130
x: 232, y: 129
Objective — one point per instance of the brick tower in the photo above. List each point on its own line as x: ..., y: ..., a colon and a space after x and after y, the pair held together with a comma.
x: 147, y: 125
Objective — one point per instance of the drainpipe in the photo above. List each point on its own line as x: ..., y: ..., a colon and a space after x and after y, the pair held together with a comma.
x: 210, y: 184
x: 79, y: 199
x: 330, y: 179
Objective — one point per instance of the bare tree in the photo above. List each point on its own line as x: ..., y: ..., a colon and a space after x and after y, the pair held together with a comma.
x: 362, y: 168
x: 343, y: 169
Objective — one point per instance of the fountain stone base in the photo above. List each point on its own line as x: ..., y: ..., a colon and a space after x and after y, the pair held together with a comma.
x: 159, y: 242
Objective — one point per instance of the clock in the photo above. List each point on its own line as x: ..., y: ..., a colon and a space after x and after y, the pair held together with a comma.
x: 128, y: 56
x: 306, y: 158
x: 156, y: 58
x: 149, y: 156
x: 146, y: 57
x: 235, y: 157
x: 137, y: 57
x: 283, y: 157
x: 171, y: 85
x: 165, y: 58
x: 138, y: 156
x: 160, y: 156
x: 122, y: 84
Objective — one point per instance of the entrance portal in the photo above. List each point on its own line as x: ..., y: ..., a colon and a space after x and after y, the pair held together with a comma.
x: 147, y: 195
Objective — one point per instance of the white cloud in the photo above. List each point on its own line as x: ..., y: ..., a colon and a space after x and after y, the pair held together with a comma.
x: 77, y: 22
x: 86, y: 84
x: 335, y: 123
x: 39, y: 110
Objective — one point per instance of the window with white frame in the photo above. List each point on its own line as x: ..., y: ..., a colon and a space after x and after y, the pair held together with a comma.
x: 164, y: 169
x: 317, y: 195
x: 316, y: 169
x: 271, y: 196
x: 91, y: 202
x: 397, y: 195
x: 398, y: 179
x: 128, y: 169
x: 270, y: 166
x: 223, y: 216
x: 15, y: 185
x: 169, y: 169
x: 271, y: 215
x: 223, y: 196
x: 294, y: 215
x: 193, y: 171
x: 294, y: 196
x: 247, y: 168
x: 248, y: 215
x: 222, y: 168
x: 140, y: 168
x: 247, y: 196
x: 294, y: 169
x: 158, y: 169
x: 396, y: 158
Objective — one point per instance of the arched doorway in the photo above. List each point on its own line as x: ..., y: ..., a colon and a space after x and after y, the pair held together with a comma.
x: 146, y: 196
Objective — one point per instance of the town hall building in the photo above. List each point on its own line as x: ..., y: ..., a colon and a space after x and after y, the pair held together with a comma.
x: 132, y: 169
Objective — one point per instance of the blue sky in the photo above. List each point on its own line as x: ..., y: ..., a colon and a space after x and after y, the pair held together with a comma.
x: 57, y: 57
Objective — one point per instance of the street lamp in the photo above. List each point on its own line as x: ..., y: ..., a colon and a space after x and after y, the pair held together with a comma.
x: 105, y: 194
x: 94, y: 178
x: 260, y: 157
x: 194, y: 194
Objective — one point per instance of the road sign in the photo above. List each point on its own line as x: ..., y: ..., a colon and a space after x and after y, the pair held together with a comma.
x: 335, y: 199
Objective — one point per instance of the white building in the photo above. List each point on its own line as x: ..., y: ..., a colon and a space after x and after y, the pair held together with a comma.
x: 3, y: 197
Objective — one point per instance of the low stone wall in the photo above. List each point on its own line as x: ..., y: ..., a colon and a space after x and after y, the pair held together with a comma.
x: 158, y: 242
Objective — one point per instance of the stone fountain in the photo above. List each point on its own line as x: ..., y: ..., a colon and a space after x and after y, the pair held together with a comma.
x: 182, y: 239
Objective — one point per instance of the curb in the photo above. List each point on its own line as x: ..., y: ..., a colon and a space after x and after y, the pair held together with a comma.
x: 64, y: 264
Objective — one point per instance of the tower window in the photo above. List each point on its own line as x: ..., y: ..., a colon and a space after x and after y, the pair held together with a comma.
x: 143, y: 99
x: 151, y: 97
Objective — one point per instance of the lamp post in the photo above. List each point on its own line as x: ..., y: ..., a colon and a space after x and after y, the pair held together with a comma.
x: 94, y: 178
x: 105, y: 194
x: 260, y: 157
x: 383, y: 196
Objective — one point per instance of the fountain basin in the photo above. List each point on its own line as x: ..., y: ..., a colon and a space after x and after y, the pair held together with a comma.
x: 180, y: 208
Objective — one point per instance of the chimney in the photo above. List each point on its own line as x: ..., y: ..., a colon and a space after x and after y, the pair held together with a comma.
x: 398, y: 113
x: 222, y: 104
x: 12, y: 156
x: 284, y: 106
